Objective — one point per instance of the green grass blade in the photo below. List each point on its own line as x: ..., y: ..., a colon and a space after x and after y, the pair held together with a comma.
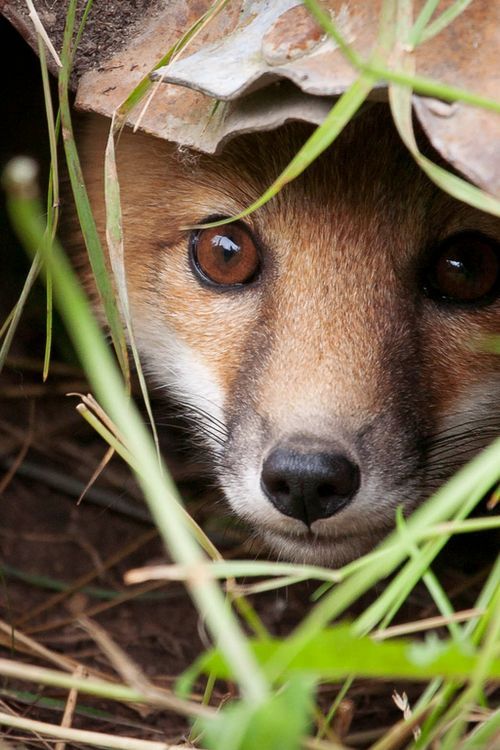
x: 115, y: 242
x: 81, y: 26
x: 52, y: 196
x: 433, y: 586
x: 395, y: 594
x: 87, y: 223
x: 160, y: 492
x: 423, y: 19
x: 129, y: 459
x: 15, y: 315
x: 114, y: 237
x: 474, y: 628
x: 400, y: 102
x: 95, y: 686
x: 324, y: 135
x: 461, y: 493
x: 446, y: 17
x: 490, y: 647
x: 401, y: 107
x: 485, y: 735
x: 472, y: 632
x: 325, y: 20
x: 420, y: 84
x: 146, y: 83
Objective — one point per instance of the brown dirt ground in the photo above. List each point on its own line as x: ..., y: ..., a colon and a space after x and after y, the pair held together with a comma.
x: 48, y: 540
x: 101, y: 38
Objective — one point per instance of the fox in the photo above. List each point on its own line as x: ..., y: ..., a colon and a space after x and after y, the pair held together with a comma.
x: 328, y: 349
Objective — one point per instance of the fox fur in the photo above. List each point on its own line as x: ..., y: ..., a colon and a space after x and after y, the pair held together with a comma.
x: 336, y: 343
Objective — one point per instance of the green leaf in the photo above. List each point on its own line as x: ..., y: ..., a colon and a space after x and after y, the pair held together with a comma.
x: 278, y: 724
x: 336, y: 653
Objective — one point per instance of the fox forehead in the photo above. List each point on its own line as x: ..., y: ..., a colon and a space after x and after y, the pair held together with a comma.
x: 365, y: 195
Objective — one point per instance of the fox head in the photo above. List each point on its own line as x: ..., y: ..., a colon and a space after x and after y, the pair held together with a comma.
x: 328, y: 347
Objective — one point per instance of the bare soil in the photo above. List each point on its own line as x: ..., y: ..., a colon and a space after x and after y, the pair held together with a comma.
x: 110, y: 24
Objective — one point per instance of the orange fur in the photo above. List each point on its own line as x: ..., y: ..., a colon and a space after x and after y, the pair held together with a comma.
x: 335, y: 341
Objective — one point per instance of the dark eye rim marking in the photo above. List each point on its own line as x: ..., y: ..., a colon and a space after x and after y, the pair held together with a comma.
x: 431, y: 289
x: 202, y: 277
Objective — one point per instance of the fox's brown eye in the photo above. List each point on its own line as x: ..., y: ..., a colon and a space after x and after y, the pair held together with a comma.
x: 225, y: 255
x: 465, y: 269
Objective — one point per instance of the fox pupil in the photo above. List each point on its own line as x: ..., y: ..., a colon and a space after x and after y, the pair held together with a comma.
x: 228, y: 247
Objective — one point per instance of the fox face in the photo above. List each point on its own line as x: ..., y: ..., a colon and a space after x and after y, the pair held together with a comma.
x: 328, y: 347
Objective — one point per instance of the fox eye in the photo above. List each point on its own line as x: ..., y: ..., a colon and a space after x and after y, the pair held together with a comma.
x: 465, y: 268
x: 226, y: 255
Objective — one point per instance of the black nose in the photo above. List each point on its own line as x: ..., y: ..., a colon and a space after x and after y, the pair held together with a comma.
x: 308, y: 486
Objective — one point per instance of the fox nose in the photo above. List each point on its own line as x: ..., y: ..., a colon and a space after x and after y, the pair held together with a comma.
x: 309, y: 486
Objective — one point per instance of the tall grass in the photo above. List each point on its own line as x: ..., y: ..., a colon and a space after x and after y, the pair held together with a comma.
x: 277, y: 678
